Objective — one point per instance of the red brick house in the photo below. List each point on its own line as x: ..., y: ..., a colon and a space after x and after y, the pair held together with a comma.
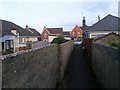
x: 51, y: 32
x: 76, y: 33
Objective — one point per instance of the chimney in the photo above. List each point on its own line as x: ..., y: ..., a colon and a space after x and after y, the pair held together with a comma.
x: 44, y: 27
x: 26, y: 26
x: 98, y: 18
x: 84, y: 24
x: 13, y: 30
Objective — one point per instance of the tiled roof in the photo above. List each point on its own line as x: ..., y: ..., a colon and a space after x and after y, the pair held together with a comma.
x: 66, y: 33
x: 103, y: 36
x: 35, y: 32
x: 7, y: 26
x: 108, y: 23
x: 55, y: 30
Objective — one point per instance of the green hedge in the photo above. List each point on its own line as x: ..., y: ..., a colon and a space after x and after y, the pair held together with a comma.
x: 59, y: 40
x: 116, y: 45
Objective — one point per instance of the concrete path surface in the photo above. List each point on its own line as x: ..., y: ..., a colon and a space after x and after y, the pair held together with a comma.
x: 79, y: 74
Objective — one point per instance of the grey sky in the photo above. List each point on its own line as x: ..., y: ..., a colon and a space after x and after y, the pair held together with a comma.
x: 55, y: 14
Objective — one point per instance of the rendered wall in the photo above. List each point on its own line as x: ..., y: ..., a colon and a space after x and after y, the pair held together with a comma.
x: 65, y: 50
x: 105, y: 63
x: 31, y: 69
x: 36, y: 68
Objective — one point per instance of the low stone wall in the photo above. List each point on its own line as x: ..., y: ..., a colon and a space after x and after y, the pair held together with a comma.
x: 105, y: 64
x: 35, y: 68
x: 65, y: 50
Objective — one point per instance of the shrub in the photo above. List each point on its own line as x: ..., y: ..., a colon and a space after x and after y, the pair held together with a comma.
x: 59, y: 40
x: 116, y: 45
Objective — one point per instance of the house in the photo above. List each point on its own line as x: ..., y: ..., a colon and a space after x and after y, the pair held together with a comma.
x: 108, y: 39
x: 36, y: 35
x: 22, y: 36
x: 49, y: 34
x: 6, y: 44
x: 104, y: 26
x: 67, y: 35
x: 76, y: 33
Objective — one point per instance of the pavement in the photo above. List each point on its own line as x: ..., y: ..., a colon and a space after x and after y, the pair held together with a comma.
x: 78, y: 73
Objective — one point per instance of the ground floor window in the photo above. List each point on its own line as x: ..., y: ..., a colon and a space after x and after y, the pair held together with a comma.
x: 3, y: 47
x: 9, y: 44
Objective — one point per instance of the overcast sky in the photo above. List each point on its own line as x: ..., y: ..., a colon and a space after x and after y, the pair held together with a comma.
x: 56, y: 13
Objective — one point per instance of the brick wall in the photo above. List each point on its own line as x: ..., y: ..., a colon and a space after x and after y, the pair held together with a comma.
x: 87, y: 43
x: 105, y: 64
x: 35, y: 68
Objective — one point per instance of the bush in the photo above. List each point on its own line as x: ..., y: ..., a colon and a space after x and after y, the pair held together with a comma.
x: 116, y: 45
x: 59, y: 40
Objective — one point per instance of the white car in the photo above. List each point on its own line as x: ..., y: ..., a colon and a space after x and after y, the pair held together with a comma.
x: 77, y: 43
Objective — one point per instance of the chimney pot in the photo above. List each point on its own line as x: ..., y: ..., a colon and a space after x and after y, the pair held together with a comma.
x: 84, y: 18
x: 98, y: 18
x: 26, y: 26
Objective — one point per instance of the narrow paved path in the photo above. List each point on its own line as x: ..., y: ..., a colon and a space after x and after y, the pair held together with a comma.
x: 78, y: 74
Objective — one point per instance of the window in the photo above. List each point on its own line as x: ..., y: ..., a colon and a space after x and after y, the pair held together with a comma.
x: 45, y: 35
x: 25, y: 40
x: 7, y: 43
x: 73, y: 33
x: 11, y: 43
x: 78, y: 33
x: 20, y: 40
x: 3, y: 48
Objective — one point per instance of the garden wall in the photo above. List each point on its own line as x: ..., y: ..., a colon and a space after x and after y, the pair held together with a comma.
x: 105, y: 63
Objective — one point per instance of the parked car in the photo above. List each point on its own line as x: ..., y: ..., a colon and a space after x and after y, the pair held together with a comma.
x: 77, y: 43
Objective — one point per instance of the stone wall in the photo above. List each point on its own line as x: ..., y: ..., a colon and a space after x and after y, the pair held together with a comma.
x: 35, y: 68
x: 105, y: 64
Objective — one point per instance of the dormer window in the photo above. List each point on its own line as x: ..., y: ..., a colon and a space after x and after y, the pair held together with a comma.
x: 14, y: 32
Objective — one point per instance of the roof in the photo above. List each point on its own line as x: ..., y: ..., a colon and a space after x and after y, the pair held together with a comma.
x: 35, y: 32
x: 67, y: 33
x: 108, y: 23
x: 7, y: 37
x: 55, y: 30
x: 103, y: 36
x: 78, y: 28
x: 108, y: 39
x: 7, y: 26
x: 81, y: 27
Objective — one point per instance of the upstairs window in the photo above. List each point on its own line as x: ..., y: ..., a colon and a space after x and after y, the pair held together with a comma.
x: 45, y: 35
x: 78, y: 33
x: 73, y: 34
